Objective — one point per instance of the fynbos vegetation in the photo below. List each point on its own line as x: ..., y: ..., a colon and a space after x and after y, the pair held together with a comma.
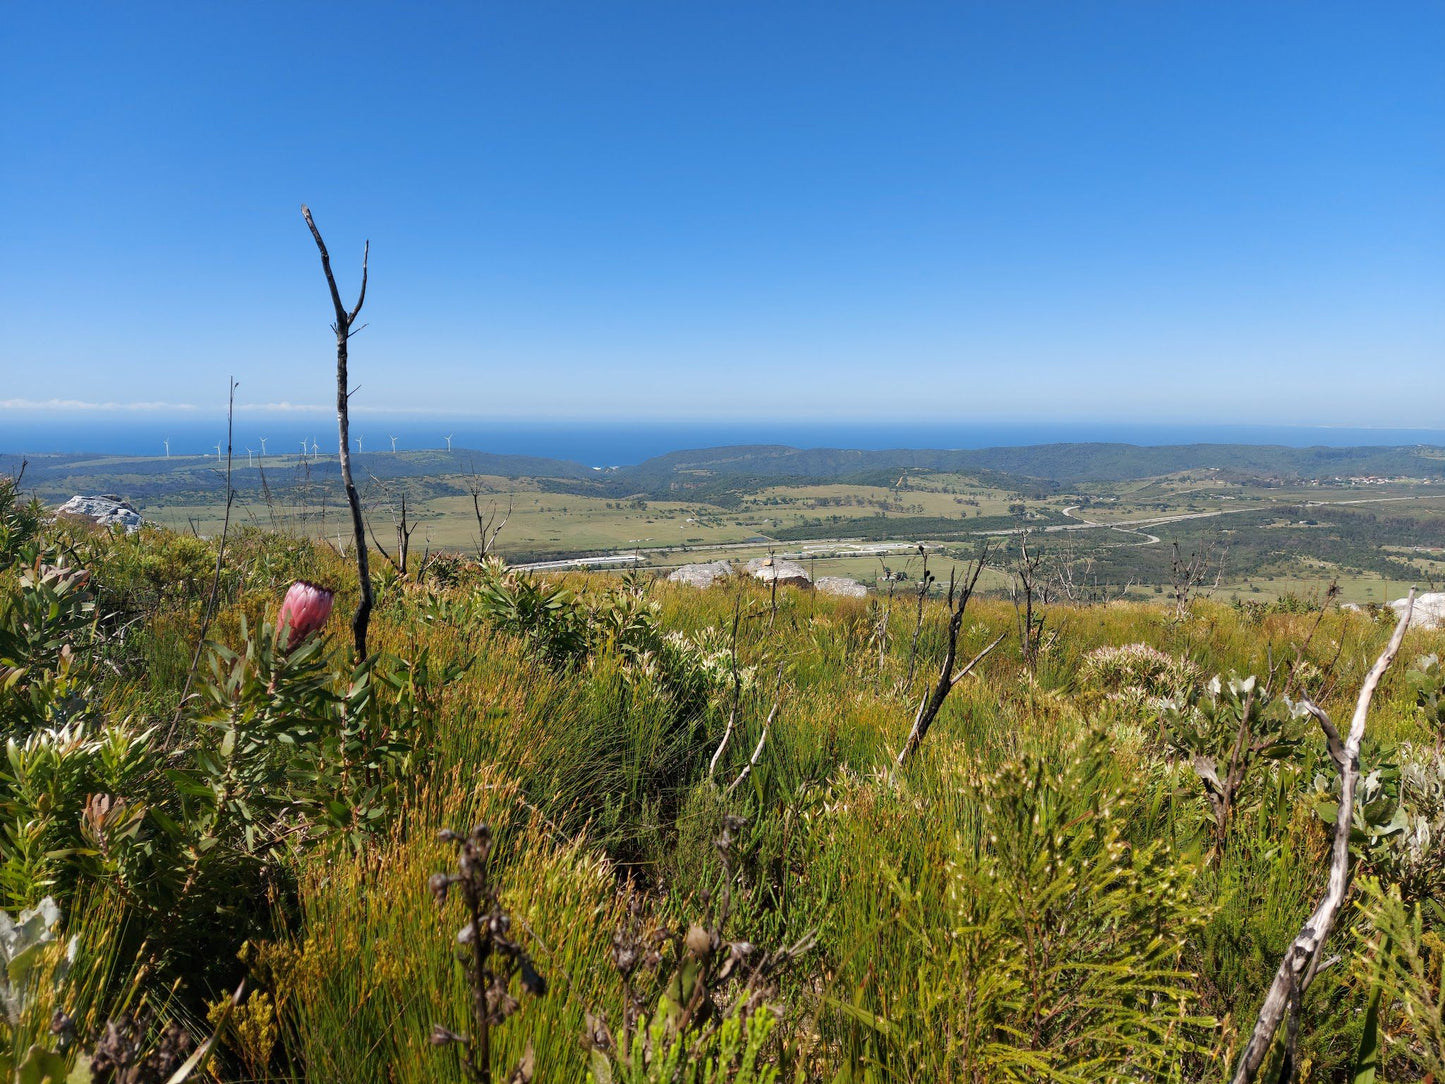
x: 510, y: 843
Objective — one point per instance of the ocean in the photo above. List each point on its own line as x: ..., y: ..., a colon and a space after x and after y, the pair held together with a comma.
x: 622, y: 443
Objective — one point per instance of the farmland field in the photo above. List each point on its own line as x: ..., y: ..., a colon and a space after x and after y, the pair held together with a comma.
x: 1271, y: 528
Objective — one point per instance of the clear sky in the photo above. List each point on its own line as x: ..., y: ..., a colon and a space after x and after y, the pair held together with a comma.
x: 677, y: 209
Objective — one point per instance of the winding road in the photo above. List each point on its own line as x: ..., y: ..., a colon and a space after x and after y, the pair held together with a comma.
x: 799, y: 548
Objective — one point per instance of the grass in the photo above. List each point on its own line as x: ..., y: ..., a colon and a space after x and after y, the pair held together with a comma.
x: 1038, y: 896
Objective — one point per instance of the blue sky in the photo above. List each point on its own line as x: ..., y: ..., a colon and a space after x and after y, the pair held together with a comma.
x: 1202, y: 211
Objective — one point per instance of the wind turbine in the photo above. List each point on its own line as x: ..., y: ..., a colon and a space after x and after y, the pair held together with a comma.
x: 448, y: 439
x: 359, y: 449
x: 303, y: 447
x: 218, y: 451
x: 263, y: 447
x: 393, y: 445
x: 248, y: 457
x: 167, y: 443
x: 315, y: 448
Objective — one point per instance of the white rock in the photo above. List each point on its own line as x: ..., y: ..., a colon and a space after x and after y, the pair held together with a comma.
x: 841, y: 585
x: 786, y: 573
x: 1429, y: 610
x: 107, y: 510
x: 704, y: 575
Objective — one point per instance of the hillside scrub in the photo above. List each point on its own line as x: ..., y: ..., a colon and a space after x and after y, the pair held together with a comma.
x: 1046, y: 891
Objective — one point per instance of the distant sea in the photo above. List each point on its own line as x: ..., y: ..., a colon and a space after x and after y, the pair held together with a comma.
x: 622, y: 443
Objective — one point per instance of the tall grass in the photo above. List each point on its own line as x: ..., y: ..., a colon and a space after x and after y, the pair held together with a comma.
x: 1035, y: 897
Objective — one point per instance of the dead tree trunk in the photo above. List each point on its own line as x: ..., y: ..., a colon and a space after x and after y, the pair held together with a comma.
x: 1302, y: 959
x: 933, y: 700
x: 343, y: 329
x: 487, y: 526
x: 404, y: 531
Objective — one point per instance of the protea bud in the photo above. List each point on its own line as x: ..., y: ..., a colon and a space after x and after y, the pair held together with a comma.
x: 304, y: 610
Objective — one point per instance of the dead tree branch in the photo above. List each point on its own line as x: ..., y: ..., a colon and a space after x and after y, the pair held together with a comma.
x: 404, y: 531
x: 487, y: 525
x: 758, y: 750
x: 343, y: 329
x: 1302, y: 959
x: 1191, y: 573
x: 929, y: 706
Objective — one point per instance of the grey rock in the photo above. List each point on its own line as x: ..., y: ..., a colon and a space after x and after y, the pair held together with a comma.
x: 841, y: 585
x: 1429, y: 612
x: 785, y: 573
x: 106, y: 510
x: 704, y: 575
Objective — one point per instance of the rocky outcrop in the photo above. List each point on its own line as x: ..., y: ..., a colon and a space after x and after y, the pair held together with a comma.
x: 704, y: 575
x: 107, y: 510
x: 785, y: 573
x: 1429, y: 612
x: 841, y: 585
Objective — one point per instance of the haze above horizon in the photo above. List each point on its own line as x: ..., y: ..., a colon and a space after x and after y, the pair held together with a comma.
x: 1225, y: 213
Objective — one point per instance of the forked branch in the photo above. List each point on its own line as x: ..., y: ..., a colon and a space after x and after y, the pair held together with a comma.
x: 342, y: 327
x: 929, y: 706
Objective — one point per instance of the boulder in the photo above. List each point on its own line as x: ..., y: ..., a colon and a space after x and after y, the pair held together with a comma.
x: 841, y: 585
x: 775, y: 569
x: 107, y: 510
x: 704, y: 575
x: 1429, y: 610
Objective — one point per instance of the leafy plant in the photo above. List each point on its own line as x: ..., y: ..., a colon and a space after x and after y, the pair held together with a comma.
x: 1405, y: 960
x: 1426, y: 679
x: 1225, y: 732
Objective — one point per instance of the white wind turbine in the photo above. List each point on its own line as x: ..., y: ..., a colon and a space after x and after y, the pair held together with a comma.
x: 218, y: 451
x: 393, y: 445
x: 248, y: 457
x: 358, y: 444
x: 167, y: 443
x: 315, y: 448
x: 263, y: 447
x: 448, y: 439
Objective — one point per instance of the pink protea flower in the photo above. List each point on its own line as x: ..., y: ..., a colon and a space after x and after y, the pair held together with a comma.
x: 304, y: 610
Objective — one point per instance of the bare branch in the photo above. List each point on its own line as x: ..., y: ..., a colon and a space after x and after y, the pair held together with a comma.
x: 757, y: 752
x: 342, y: 327
x: 341, y: 320
x: 968, y: 669
x: 929, y: 706
x: 361, y: 298
x: 487, y: 524
x: 382, y: 549
x: 1302, y: 959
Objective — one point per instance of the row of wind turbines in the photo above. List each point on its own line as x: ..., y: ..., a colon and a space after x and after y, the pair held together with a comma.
x: 313, y: 452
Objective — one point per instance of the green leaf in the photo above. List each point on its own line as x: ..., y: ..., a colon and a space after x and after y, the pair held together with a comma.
x: 41, y: 1066
x: 601, y: 1068
x: 1367, y: 1058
